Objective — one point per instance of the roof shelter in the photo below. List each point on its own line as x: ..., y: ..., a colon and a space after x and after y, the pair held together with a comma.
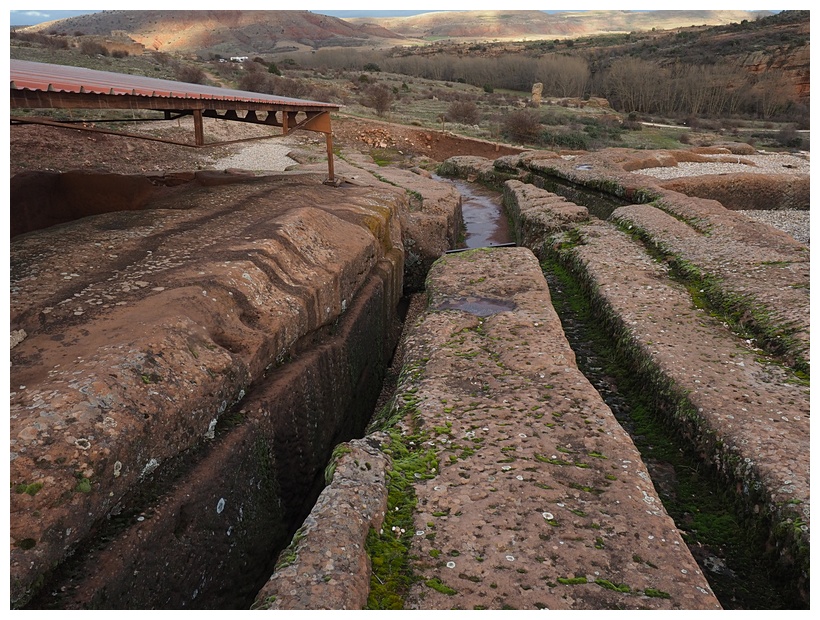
x: 42, y: 85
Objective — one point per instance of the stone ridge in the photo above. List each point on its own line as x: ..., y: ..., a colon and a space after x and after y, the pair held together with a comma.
x: 725, y: 246
x: 540, y: 500
x: 746, y: 413
x: 143, y: 328
x: 326, y: 566
x: 536, y: 214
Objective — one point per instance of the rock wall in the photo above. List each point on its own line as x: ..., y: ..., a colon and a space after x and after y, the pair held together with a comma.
x: 185, y: 368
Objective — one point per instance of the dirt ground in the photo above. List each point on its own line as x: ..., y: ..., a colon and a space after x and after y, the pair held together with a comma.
x: 39, y: 147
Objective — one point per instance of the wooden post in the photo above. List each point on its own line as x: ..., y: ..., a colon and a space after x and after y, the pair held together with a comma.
x: 199, y: 131
x: 329, y: 140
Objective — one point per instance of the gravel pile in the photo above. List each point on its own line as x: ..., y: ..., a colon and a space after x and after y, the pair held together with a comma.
x: 795, y: 223
x: 764, y: 163
x: 264, y: 155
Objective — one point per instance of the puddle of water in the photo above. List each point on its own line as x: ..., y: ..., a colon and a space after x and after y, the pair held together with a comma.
x: 485, y: 222
x: 479, y: 306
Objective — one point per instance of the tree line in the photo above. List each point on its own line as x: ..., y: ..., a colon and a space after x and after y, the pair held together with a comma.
x: 630, y: 84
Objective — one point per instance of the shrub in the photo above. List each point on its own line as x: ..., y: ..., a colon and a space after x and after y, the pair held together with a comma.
x: 463, y: 112
x: 272, y: 68
x: 93, y: 48
x: 575, y: 140
x: 522, y: 125
x: 190, y: 74
x: 378, y: 97
x: 373, y: 67
x: 789, y: 138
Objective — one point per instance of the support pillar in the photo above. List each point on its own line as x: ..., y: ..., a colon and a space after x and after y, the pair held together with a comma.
x: 199, y: 130
x: 330, y: 177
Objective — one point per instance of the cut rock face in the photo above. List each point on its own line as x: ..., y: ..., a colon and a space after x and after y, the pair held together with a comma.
x: 144, y: 328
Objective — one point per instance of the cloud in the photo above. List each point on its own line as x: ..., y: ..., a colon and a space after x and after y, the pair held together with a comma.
x: 32, y: 14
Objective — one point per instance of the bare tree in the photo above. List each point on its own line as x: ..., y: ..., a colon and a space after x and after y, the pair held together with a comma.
x: 773, y: 92
x: 380, y: 98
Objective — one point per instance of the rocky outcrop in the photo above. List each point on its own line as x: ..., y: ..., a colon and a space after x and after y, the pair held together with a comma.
x: 747, y: 417
x: 773, y: 305
x: 766, y: 192
x: 537, y: 214
x: 148, y: 336
x: 432, y: 221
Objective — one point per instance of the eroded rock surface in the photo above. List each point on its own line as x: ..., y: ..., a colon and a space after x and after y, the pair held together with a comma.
x: 746, y: 414
x: 145, y: 327
x: 327, y: 566
x: 540, y: 499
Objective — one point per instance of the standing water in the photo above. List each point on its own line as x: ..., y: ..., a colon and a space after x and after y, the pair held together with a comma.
x: 485, y: 222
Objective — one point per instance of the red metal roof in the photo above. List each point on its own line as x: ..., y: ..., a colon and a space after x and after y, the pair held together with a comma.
x: 38, y: 76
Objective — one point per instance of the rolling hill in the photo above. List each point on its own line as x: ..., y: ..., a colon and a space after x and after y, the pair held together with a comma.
x: 533, y: 24
x: 229, y: 33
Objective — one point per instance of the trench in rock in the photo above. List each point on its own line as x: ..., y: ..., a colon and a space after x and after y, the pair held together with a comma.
x: 728, y: 550
x: 737, y: 576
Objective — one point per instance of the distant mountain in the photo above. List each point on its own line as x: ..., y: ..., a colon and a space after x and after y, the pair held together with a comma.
x: 248, y: 33
x: 534, y: 24
x: 224, y: 32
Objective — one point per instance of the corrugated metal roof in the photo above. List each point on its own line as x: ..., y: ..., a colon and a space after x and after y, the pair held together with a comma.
x: 38, y: 76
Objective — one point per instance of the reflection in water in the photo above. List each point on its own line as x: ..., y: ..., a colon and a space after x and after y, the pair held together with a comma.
x: 485, y: 221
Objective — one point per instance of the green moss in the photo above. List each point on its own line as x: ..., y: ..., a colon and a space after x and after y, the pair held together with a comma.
x: 617, y: 587
x: 289, y: 555
x: 652, y: 592
x: 30, y: 489
x: 438, y: 586
x: 340, y: 450
x: 392, y: 573
x: 83, y: 486
x: 572, y: 581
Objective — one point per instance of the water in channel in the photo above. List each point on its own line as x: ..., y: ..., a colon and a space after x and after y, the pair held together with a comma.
x: 485, y: 221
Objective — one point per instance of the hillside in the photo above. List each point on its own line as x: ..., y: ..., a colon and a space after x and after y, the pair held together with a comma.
x: 529, y: 24
x: 223, y: 32
x: 258, y: 32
